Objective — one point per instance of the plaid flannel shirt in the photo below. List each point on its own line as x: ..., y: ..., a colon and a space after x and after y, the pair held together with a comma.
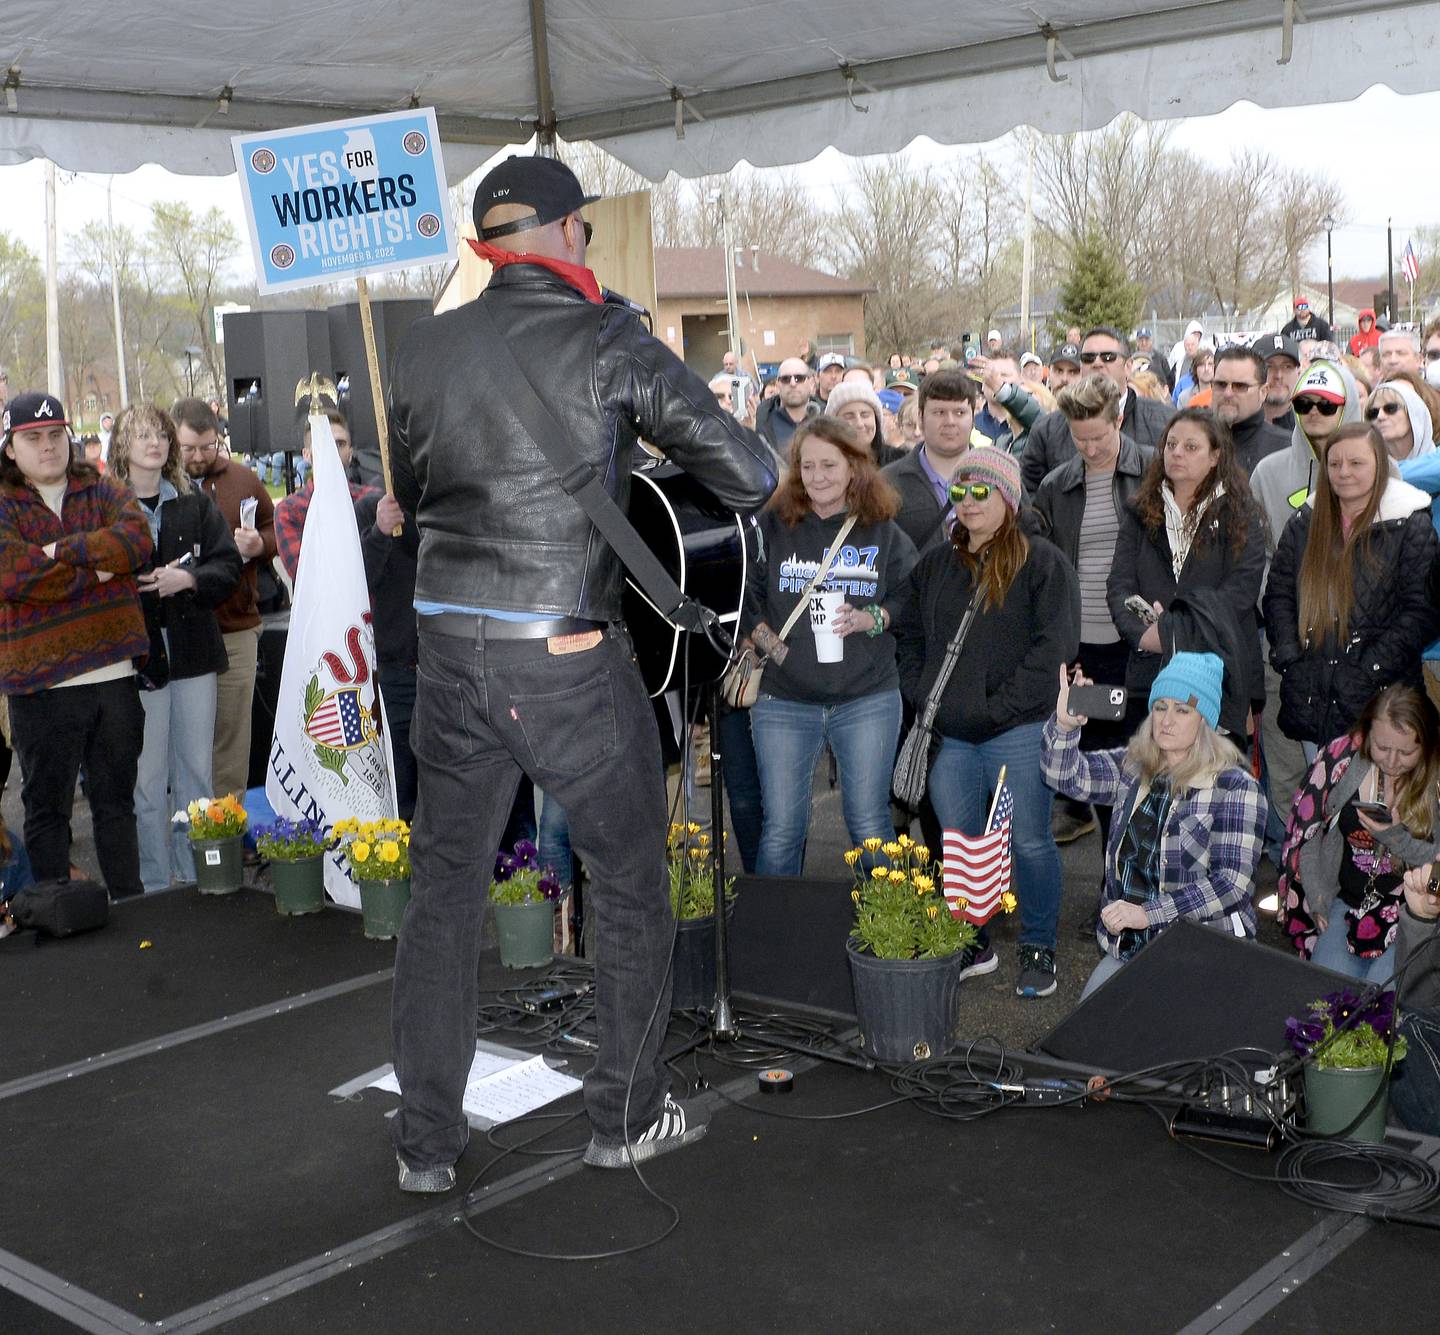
x: 1209, y: 848
x: 290, y: 512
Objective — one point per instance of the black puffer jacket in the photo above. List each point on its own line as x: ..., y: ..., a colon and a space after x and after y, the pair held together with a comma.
x: 1325, y: 685
x: 496, y: 528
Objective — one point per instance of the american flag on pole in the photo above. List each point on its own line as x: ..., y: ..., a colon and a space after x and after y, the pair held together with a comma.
x: 978, y: 868
x: 1410, y: 264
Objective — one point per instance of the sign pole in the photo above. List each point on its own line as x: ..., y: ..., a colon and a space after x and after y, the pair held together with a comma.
x: 377, y: 390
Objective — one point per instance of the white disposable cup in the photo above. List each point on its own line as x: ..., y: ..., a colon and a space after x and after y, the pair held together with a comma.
x: 829, y: 647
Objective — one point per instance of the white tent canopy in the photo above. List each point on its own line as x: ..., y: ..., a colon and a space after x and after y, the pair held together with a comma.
x: 670, y: 85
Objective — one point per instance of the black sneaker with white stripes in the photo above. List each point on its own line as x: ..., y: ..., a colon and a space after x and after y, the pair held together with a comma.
x: 678, y: 1124
x: 1037, y: 972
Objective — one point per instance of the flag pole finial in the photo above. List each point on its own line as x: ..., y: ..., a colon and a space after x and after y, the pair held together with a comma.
x: 318, y: 388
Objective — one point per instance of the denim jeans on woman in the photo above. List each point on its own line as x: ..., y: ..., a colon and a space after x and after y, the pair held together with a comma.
x: 962, y: 777
x: 581, y: 726
x: 175, y: 770
x: 789, y: 736
x: 1415, y: 1084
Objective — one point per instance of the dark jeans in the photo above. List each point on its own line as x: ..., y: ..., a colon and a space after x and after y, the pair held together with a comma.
x: 55, y: 732
x: 397, y: 689
x: 581, y: 727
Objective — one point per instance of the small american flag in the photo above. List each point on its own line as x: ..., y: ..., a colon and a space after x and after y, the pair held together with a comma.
x: 1410, y: 264
x: 978, y: 869
x: 336, y: 721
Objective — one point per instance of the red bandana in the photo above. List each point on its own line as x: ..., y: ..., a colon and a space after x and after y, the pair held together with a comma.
x: 577, y: 275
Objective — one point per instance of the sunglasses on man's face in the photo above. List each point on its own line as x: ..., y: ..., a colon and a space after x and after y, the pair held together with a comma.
x: 978, y: 491
x: 1233, y: 386
x: 1322, y: 406
x: 1389, y: 409
x: 1090, y: 358
x: 791, y: 379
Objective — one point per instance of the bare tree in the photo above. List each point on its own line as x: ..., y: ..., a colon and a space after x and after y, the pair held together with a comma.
x: 198, y: 250
x: 887, y: 230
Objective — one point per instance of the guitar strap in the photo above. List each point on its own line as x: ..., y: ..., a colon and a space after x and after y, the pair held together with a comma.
x: 584, y: 485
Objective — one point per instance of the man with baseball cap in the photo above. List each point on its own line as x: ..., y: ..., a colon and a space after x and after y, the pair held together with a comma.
x: 829, y: 372
x: 1064, y: 366
x: 524, y: 666
x: 1281, y: 356
x: 71, y: 542
x: 1306, y: 325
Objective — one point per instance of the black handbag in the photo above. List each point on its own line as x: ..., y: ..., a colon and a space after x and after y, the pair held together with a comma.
x: 61, y: 908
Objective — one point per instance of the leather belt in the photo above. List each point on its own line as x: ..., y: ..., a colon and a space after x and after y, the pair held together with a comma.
x: 463, y: 626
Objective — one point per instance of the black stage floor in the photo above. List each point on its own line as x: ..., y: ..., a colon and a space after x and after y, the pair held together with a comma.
x: 214, y: 1182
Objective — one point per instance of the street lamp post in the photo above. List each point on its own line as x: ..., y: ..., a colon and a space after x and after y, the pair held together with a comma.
x: 190, y: 355
x: 1330, y: 269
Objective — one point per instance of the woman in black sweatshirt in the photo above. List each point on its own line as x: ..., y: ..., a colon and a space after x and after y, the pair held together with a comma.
x: 853, y: 704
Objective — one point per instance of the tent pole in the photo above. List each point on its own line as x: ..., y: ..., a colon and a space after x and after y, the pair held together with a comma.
x: 544, y: 94
x: 54, y: 377
x: 377, y: 390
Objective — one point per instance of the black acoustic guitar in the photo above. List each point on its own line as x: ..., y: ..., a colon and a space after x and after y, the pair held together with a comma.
x: 708, y: 550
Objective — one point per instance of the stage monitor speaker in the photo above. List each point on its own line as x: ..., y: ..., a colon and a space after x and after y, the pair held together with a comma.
x: 787, y: 941
x: 1192, y: 992
x: 266, y: 354
x: 352, y: 371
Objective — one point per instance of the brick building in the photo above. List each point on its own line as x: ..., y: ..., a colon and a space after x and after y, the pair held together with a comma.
x: 780, y: 305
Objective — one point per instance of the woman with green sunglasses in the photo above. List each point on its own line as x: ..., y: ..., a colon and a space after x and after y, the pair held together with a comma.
x: 1025, y: 624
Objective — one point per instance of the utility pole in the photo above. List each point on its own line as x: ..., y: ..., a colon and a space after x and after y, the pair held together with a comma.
x: 1389, y: 269
x: 115, y: 294
x: 54, y: 380
x: 732, y: 306
x: 1027, y: 254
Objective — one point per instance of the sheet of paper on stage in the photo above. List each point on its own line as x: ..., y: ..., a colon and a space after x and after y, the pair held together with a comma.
x: 500, y: 1088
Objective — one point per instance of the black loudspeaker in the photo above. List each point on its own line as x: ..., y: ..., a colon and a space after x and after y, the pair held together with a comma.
x: 787, y: 941
x: 1193, y: 992
x: 266, y: 354
x: 352, y: 371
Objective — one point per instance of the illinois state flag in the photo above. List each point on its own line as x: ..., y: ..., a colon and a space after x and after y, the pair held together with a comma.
x: 978, y: 869
x: 329, y: 757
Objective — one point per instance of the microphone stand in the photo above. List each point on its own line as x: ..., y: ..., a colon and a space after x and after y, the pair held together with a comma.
x: 722, y: 1022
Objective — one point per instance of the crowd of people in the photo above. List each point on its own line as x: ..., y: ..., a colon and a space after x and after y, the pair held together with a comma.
x: 1244, y: 537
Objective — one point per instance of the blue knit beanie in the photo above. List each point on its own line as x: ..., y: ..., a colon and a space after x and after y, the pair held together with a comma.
x: 1192, y: 679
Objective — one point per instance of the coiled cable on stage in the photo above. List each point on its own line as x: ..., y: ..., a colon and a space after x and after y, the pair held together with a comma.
x: 1379, y: 1181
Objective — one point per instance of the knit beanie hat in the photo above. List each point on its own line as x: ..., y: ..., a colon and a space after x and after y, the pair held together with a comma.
x: 1192, y: 679
x: 1000, y: 468
x: 852, y: 391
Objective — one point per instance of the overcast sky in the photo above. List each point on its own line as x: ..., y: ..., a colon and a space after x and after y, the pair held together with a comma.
x: 1380, y: 148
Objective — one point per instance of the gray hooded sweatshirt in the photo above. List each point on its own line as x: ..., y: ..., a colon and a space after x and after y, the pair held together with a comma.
x: 1283, y: 481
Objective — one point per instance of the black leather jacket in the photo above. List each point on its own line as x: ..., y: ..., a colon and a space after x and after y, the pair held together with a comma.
x: 496, y: 530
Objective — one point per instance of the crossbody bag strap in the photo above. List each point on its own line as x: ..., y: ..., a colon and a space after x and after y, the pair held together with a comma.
x: 819, y: 579
x: 583, y: 484
x: 952, y: 656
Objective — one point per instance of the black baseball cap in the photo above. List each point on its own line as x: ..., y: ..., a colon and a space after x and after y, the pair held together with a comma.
x: 1066, y: 352
x: 1277, y: 345
x: 30, y: 410
x: 546, y: 185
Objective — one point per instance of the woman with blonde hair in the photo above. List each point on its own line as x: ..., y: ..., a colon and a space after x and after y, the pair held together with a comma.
x: 1343, y: 862
x: 1347, y: 604
x: 196, y: 566
x: 1189, y: 823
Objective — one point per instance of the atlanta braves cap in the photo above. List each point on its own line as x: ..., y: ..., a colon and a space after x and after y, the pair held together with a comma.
x: 33, y: 409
